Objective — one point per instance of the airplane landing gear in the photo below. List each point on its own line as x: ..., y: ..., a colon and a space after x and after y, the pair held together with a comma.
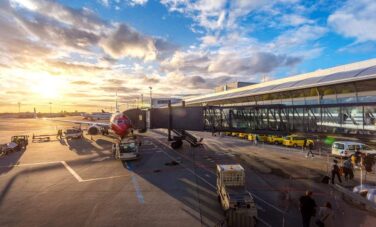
x: 176, y: 144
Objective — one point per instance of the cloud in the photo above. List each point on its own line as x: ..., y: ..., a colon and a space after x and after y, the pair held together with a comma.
x: 227, y: 63
x: 115, y: 81
x: 257, y: 63
x: 105, y: 3
x: 295, y: 20
x: 300, y: 36
x: 82, y: 82
x: 122, y: 89
x: 125, y: 41
x: 192, y: 61
x: 137, y: 2
x: 150, y: 80
x: 83, y: 19
x: 357, y: 19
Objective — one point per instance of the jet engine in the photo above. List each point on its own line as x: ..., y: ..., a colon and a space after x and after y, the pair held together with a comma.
x: 93, y: 130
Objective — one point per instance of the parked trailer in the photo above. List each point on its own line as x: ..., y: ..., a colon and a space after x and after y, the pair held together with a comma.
x: 235, y: 200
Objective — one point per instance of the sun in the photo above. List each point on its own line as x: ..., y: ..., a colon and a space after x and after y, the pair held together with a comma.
x: 48, y: 87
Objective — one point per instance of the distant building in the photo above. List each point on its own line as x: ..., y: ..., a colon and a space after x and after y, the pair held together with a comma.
x: 232, y: 85
x: 163, y: 102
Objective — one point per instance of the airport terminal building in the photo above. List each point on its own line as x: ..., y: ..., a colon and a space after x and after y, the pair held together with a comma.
x: 343, y: 84
x: 339, y: 100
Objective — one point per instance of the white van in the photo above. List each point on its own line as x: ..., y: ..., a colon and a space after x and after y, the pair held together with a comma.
x: 347, y: 148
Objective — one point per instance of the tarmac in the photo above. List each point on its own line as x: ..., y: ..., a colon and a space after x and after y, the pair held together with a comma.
x: 78, y: 183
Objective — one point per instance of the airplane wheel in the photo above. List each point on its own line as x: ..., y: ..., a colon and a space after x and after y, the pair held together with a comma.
x: 176, y: 144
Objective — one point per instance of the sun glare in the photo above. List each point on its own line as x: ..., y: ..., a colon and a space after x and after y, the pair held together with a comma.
x: 47, y: 87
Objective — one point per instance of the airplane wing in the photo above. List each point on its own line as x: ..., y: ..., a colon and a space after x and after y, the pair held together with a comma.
x: 103, y: 124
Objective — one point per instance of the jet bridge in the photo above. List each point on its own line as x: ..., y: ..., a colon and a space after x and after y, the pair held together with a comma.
x: 356, y: 119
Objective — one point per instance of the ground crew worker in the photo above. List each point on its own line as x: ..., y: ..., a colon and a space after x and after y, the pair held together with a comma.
x: 310, y: 148
x: 307, y: 208
x: 335, y: 171
x: 348, y: 169
x: 368, y: 161
x: 60, y: 134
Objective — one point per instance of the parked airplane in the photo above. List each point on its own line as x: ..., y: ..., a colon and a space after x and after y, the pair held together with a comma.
x: 97, y: 115
x: 119, y: 123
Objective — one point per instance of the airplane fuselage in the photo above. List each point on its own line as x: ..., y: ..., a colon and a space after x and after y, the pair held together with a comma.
x: 120, y: 124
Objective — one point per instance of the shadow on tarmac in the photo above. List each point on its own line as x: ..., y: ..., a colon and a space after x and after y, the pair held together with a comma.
x: 180, y: 184
x: 87, y: 146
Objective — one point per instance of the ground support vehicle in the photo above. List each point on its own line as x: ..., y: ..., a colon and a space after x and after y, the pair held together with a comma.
x: 21, y: 140
x: 17, y: 143
x: 126, y: 149
x: 275, y: 139
x: 296, y: 141
x: 348, y: 148
x: 235, y: 200
x: 73, y: 133
x: 251, y: 137
x: 243, y: 135
x: 262, y: 137
x: 228, y: 133
x: 234, y: 134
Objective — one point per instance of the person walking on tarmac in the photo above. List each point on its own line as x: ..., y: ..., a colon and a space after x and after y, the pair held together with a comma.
x: 307, y: 208
x: 368, y: 162
x: 335, y: 171
x: 305, y: 144
x: 310, y: 148
x: 326, y: 216
x: 59, y: 134
x: 348, y: 169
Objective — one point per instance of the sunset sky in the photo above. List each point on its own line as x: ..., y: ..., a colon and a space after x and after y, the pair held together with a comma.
x: 77, y: 54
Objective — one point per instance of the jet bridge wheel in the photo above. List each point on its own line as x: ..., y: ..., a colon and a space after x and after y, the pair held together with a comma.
x: 176, y: 144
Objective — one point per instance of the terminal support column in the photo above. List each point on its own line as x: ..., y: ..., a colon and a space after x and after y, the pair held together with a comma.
x: 169, y: 120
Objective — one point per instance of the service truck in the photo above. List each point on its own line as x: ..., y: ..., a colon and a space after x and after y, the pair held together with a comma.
x: 126, y: 149
x: 232, y: 192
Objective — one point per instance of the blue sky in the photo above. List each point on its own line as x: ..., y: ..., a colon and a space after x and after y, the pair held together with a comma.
x: 89, y: 49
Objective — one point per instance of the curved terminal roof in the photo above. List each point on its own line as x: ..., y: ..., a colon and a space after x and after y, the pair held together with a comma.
x: 337, y: 75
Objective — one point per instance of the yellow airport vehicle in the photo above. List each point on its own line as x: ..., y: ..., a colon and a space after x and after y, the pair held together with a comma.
x: 243, y: 135
x: 234, y: 133
x: 275, y: 139
x: 251, y: 137
x: 228, y: 133
x: 296, y: 141
x: 262, y: 137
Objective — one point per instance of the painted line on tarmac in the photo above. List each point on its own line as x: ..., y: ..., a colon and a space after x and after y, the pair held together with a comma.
x: 30, y: 164
x: 136, y: 186
x: 264, y: 222
x: 106, y: 178
x: 78, y: 178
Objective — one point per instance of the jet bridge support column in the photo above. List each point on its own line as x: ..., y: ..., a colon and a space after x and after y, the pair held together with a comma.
x: 169, y: 120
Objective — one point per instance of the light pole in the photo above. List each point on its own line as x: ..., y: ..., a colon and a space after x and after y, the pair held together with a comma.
x: 151, y: 100
x: 19, y: 107
x: 142, y: 101
x: 50, y: 108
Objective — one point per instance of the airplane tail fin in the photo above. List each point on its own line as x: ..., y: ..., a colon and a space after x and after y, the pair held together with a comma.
x: 35, y: 113
x: 103, y: 111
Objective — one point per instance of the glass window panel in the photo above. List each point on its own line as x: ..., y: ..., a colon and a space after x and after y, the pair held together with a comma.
x: 345, y: 88
x: 367, y: 85
x: 327, y: 90
x: 367, y: 98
